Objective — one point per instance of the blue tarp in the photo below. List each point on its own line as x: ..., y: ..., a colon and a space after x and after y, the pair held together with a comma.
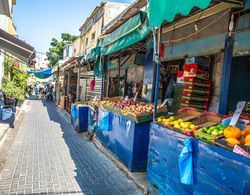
x: 41, y: 74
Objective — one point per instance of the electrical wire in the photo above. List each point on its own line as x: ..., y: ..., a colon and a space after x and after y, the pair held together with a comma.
x: 202, y: 29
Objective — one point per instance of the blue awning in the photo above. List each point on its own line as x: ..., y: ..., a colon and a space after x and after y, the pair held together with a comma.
x: 42, y: 74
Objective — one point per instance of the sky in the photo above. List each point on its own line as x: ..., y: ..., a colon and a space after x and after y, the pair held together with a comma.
x: 38, y: 21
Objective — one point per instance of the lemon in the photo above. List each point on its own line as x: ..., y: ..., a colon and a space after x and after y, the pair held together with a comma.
x: 159, y: 120
x: 182, y: 124
x: 171, y: 118
x: 193, y: 127
x: 176, y: 123
x: 185, y: 126
x: 180, y: 120
x: 177, y: 126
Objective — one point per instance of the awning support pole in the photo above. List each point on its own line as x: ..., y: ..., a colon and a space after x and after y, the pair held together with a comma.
x: 157, y: 39
x: 78, y: 82
x: 226, y: 71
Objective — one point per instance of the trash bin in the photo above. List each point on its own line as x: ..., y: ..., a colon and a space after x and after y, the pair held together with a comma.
x: 79, y: 118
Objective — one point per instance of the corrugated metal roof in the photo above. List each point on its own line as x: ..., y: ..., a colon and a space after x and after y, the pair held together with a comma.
x: 131, y: 11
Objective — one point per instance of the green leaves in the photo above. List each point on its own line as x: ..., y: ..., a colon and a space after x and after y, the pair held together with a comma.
x: 55, y: 52
x: 15, y: 84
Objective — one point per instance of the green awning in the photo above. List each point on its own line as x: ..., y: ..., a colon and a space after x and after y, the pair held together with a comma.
x: 166, y: 10
x: 93, y: 54
x: 131, y: 32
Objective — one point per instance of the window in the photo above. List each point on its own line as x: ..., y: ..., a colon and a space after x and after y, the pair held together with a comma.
x: 93, y: 36
x: 86, y: 42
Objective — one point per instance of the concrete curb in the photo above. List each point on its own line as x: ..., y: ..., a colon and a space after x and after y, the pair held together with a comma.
x: 142, y: 185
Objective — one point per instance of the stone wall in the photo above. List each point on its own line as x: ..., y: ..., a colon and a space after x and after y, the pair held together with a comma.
x: 216, y: 76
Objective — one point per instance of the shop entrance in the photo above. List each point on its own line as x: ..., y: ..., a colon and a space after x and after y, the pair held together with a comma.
x: 239, y: 89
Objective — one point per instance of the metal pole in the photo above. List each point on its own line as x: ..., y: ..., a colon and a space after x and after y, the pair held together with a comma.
x: 78, y: 82
x: 157, y: 36
x: 102, y: 88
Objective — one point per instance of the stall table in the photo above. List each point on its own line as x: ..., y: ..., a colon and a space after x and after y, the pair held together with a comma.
x: 216, y: 170
x: 126, y: 140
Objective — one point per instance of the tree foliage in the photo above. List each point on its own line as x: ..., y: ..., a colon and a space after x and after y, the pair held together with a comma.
x: 15, y: 84
x: 55, y: 52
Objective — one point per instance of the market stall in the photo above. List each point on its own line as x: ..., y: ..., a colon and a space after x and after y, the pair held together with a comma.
x: 123, y: 128
x: 124, y: 122
x: 195, y: 151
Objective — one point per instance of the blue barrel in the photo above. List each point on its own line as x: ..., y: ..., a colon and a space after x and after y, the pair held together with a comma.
x: 126, y: 140
x: 79, y: 118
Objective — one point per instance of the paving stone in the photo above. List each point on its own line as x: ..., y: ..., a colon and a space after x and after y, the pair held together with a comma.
x: 49, y: 157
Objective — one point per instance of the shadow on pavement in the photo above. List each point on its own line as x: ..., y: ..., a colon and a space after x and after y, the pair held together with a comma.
x: 95, y: 174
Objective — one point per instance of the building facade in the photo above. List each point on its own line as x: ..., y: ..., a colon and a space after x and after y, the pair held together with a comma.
x: 92, y: 28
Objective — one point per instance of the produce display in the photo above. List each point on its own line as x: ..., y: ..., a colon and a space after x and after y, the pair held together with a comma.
x: 234, y: 136
x: 214, y: 130
x: 138, y: 111
x: 187, y: 128
x: 81, y: 103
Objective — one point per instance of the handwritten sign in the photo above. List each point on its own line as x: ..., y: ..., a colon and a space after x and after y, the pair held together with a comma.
x: 237, y: 113
x: 164, y: 103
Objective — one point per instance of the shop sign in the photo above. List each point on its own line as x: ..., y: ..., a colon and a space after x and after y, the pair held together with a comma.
x: 237, y: 113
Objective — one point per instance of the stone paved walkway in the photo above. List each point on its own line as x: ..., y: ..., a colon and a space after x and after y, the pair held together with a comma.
x: 48, y: 156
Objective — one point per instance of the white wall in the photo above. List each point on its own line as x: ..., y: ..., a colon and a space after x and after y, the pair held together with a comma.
x: 3, y: 22
x: 1, y: 68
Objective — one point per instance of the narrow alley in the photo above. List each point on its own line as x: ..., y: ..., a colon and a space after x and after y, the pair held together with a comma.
x: 48, y: 156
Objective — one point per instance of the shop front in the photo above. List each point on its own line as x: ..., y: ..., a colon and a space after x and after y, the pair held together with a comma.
x: 182, y: 146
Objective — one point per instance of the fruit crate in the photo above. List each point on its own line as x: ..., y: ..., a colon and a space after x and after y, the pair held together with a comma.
x: 140, y: 118
x: 190, y: 94
x: 187, y: 114
x: 223, y: 143
x: 195, y: 99
x: 190, y: 102
x: 196, y: 106
x: 207, y: 137
x: 203, y: 85
x: 194, y: 87
x: 198, y: 92
x: 196, y: 81
x: 207, y: 119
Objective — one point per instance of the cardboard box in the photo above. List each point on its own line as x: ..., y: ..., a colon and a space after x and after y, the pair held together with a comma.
x: 193, y: 70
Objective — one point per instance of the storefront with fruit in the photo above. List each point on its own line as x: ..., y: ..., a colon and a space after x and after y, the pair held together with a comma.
x: 123, y: 116
x: 196, y: 151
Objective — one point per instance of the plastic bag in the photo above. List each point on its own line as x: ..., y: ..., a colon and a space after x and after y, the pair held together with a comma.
x: 75, y: 117
x: 6, y: 113
x: 105, y: 123
x: 186, y: 163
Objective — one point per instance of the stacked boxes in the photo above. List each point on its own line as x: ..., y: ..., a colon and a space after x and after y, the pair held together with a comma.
x: 196, y: 87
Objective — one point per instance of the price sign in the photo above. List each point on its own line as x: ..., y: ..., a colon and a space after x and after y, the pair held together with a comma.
x: 163, y: 104
x: 237, y: 113
x: 126, y: 98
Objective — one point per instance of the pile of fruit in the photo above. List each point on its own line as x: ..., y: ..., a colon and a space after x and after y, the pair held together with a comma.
x: 130, y: 106
x: 140, y: 108
x: 124, y: 104
x: 214, y: 130
x: 235, y: 136
x: 81, y: 103
x: 185, y: 127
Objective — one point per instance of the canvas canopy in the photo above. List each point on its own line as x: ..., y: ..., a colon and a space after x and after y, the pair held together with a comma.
x: 42, y: 74
x: 166, y: 10
x: 134, y: 30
